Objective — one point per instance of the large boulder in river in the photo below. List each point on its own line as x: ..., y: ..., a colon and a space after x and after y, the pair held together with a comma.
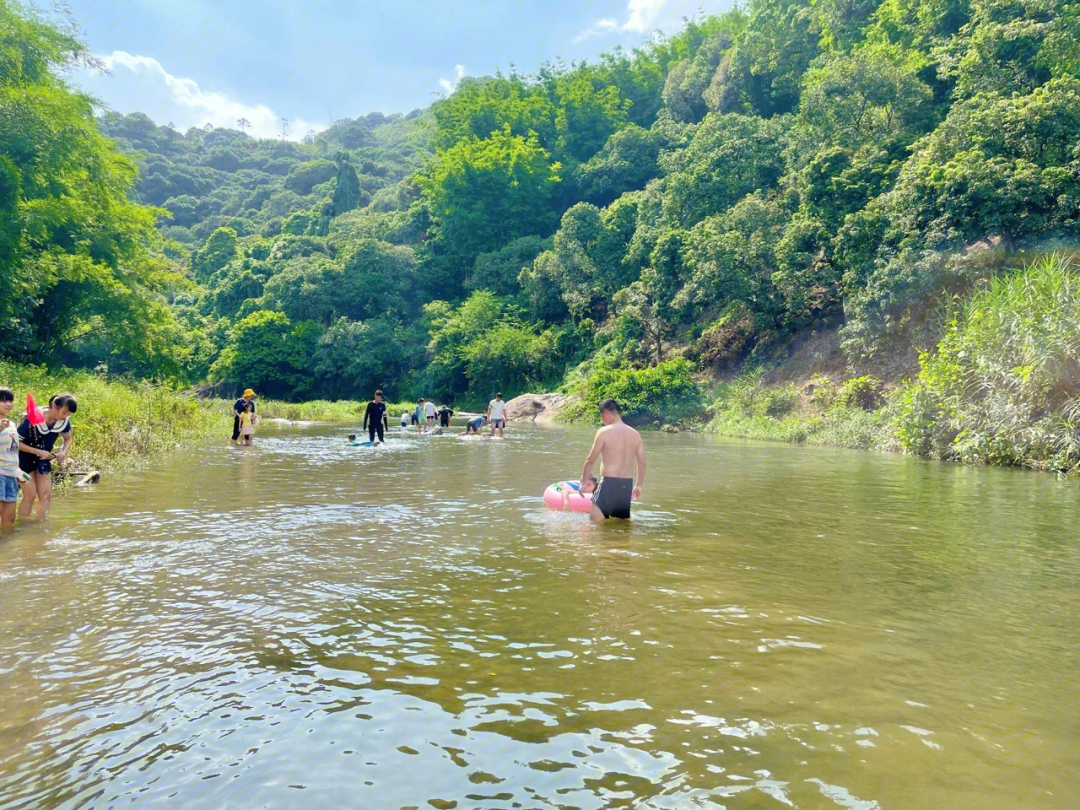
x: 537, y: 407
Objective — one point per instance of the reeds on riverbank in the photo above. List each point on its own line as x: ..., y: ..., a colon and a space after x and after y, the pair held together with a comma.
x: 118, y: 423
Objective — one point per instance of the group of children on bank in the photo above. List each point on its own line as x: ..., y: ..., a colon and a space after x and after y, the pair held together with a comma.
x: 27, y: 454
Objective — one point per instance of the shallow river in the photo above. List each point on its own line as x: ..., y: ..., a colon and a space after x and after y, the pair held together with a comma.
x: 306, y: 625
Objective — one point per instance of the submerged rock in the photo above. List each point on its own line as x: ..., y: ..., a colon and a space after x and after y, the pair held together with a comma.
x: 537, y: 407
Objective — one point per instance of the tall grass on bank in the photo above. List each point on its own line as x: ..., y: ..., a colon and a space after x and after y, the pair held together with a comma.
x: 117, y: 423
x: 1003, y: 386
x: 321, y: 410
x: 822, y: 413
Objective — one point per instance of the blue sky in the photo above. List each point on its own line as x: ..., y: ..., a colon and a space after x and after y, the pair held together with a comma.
x: 194, y: 62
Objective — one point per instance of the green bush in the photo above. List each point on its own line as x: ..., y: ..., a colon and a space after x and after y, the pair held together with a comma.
x: 860, y: 392
x: 777, y: 402
x: 661, y: 394
x: 823, y: 393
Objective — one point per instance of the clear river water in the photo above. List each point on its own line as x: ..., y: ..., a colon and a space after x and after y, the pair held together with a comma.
x: 302, y: 624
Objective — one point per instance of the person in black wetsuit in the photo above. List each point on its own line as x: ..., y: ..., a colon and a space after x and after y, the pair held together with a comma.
x: 375, y: 419
x: 444, y: 413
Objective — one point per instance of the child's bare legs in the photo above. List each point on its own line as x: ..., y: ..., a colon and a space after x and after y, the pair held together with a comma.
x: 29, y: 493
x: 43, y: 485
x: 7, y: 516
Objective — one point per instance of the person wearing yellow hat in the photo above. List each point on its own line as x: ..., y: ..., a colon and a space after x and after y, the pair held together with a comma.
x: 238, y: 409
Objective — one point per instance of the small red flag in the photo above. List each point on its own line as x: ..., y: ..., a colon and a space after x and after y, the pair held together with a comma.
x: 33, y: 412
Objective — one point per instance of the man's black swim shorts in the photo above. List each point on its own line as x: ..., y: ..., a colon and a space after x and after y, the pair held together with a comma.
x: 613, y: 496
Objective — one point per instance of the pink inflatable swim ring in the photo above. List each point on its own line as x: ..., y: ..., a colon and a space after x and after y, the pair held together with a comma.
x: 578, y: 502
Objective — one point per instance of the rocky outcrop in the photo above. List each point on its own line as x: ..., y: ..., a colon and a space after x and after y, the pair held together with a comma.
x: 537, y: 407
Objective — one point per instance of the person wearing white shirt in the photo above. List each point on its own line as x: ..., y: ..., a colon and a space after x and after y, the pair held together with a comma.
x: 496, y: 412
x: 429, y: 412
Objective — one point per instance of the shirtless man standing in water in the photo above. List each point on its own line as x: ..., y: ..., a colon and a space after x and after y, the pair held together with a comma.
x: 618, y: 446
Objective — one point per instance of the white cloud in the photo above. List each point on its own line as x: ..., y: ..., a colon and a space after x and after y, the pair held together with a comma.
x: 140, y: 83
x: 646, y: 16
x: 450, y: 86
x: 642, y: 15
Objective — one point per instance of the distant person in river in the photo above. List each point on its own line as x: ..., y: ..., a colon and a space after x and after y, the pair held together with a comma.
x: 10, y: 474
x: 36, y: 443
x: 417, y: 415
x: 375, y: 419
x: 247, y: 431
x: 444, y: 414
x: 238, y: 408
x: 496, y: 412
x: 566, y: 488
x: 619, y: 448
x: 473, y: 425
x: 429, y: 414
x: 404, y: 419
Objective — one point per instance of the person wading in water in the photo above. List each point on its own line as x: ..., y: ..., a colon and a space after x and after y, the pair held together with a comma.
x: 238, y: 409
x: 375, y: 420
x: 619, y: 448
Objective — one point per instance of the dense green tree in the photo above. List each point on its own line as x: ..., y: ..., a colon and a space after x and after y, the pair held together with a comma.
x: 869, y: 96
x: 762, y: 73
x: 303, y: 177
x: 452, y: 330
x: 377, y: 278
x: 626, y: 163
x: 498, y: 271
x: 269, y: 353
x: 305, y: 290
x: 509, y: 356
x: 347, y: 191
x: 689, y: 79
x: 733, y: 255
x: 483, y: 194
x: 219, y: 250
x: 728, y: 157
x: 74, y: 249
x: 356, y: 358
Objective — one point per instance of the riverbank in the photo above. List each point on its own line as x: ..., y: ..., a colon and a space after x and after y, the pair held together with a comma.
x: 1001, y: 386
x: 117, y: 424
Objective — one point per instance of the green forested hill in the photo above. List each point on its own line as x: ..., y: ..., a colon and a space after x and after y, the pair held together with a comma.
x: 696, y: 204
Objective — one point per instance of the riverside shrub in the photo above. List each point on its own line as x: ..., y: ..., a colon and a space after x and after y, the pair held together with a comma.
x: 661, y: 394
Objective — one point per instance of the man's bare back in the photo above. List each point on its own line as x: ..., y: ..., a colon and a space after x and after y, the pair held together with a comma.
x: 620, y: 449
